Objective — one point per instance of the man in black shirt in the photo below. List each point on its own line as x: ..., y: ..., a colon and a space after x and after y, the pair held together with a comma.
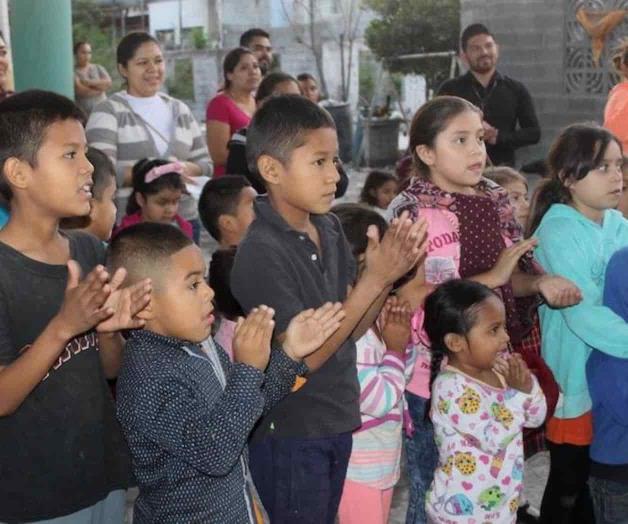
x: 509, y: 118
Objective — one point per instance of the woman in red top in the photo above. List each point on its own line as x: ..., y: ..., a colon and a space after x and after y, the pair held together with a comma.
x: 233, y: 108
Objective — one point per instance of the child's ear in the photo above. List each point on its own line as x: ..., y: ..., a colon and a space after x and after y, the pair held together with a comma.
x: 426, y: 154
x: 17, y: 172
x: 454, y: 342
x: 148, y: 313
x: 269, y: 168
x: 373, y: 192
x: 140, y: 200
x: 226, y: 222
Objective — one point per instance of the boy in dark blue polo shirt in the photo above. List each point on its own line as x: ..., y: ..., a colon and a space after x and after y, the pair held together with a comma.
x: 295, y: 257
x: 608, y: 384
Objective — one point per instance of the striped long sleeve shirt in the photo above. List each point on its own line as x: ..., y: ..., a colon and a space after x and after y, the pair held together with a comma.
x: 120, y: 133
x: 382, y: 374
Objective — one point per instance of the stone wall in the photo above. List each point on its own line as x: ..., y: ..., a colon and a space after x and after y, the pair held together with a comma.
x: 544, y: 47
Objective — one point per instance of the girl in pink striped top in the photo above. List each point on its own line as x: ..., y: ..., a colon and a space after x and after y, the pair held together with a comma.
x: 384, y: 363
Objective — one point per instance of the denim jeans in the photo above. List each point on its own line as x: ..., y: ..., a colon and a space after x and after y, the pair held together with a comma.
x: 300, y: 480
x: 610, y: 501
x: 422, y: 457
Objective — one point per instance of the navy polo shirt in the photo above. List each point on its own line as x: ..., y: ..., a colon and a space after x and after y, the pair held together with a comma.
x: 282, y: 268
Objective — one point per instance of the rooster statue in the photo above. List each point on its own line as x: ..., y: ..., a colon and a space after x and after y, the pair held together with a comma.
x: 598, y: 25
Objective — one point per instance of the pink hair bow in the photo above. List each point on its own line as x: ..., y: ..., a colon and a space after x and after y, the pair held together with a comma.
x: 156, y: 172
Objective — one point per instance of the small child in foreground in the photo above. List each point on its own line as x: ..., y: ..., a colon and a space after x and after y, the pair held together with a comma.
x: 295, y: 256
x: 102, y: 213
x: 63, y: 457
x: 480, y: 402
x: 185, y: 409
x: 385, y: 361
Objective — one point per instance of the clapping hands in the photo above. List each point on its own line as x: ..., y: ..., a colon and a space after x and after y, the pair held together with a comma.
x: 98, y: 301
x: 400, y: 249
x: 395, y: 320
x: 310, y: 329
x: 515, y: 371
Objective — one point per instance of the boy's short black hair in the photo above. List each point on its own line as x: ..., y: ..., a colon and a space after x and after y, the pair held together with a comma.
x: 104, y: 171
x: 272, y: 80
x: 247, y: 36
x: 470, y: 31
x: 144, y: 250
x: 280, y: 125
x: 24, y: 118
x: 220, y: 281
x: 220, y: 196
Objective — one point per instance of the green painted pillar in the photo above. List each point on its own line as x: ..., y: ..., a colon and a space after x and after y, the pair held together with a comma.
x: 41, y: 44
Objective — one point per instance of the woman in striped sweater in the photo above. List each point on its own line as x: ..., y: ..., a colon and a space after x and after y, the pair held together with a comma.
x: 384, y: 363
x: 141, y: 122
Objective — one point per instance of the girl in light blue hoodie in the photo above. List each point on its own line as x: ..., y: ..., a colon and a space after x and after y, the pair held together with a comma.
x: 578, y: 230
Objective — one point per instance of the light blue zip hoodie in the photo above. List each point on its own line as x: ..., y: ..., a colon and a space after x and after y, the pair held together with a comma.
x: 579, y: 249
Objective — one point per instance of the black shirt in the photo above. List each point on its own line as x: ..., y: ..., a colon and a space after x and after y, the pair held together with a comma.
x: 507, y: 106
x: 282, y: 268
x: 62, y: 450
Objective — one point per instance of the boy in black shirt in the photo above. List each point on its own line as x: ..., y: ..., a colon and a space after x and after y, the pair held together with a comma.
x: 295, y: 257
x: 61, y: 450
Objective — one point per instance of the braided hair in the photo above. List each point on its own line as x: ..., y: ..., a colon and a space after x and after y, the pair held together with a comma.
x: 451, y: 308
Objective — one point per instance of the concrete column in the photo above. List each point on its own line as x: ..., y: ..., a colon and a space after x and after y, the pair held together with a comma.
x: 41, y: 42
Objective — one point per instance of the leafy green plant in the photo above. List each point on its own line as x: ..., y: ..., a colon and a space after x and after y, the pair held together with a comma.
x: 406, y: 27
x: 199, y: 38
x: 181, y: 83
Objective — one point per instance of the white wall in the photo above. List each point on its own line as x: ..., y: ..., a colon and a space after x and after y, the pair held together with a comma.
x: 245, y: 14
x: 164, y: 16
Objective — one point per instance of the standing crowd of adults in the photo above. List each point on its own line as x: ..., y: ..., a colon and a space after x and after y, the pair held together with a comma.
x: 140, y: 121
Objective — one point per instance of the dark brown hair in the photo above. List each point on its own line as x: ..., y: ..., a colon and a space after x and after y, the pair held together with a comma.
x: 430, y: 120
x: 577, y: 150
x: 232, y: 60
x: 130, y: 44
x: 374, y: 181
